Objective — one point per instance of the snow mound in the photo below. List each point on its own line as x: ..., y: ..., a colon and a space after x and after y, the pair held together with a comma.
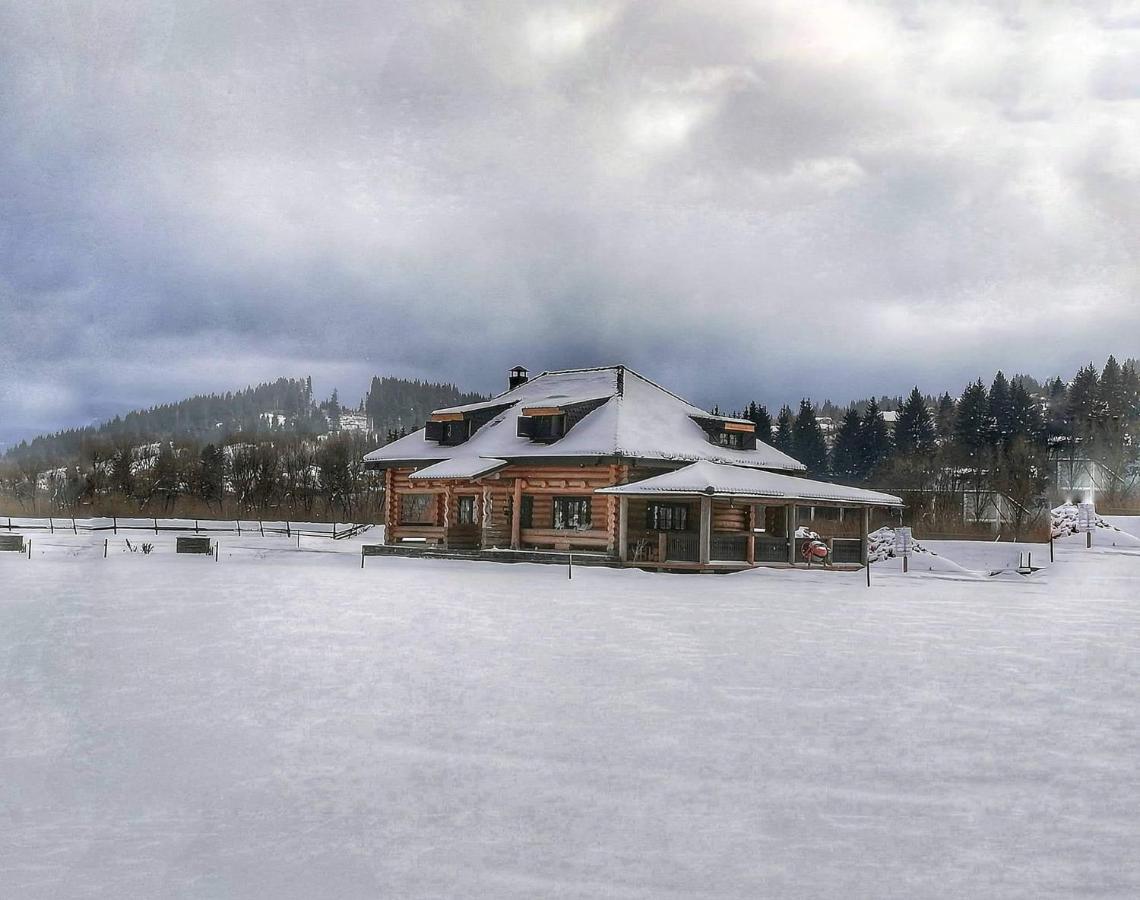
x: 1066, y: 522
x: 881, y: 547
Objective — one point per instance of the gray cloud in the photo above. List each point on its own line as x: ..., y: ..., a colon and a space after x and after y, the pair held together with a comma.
x: 743, y: 200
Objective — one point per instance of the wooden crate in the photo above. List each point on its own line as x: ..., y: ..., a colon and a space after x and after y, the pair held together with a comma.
x: 200, y: 545
x: 13, y: 542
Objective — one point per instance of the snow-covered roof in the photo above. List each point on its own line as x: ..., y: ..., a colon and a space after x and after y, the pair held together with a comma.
x: 636, y: 419
x: 736, y: 481
x: 460, y: 467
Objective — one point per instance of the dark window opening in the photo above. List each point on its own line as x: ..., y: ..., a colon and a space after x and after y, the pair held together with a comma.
x: 465, y: 511
x: 572, y: 513
x: 455, y: 432
x: 667, y: 517
x: 733, y: 440
x: 417, y: 509
x: 542, y: 428
x: 527, y: 518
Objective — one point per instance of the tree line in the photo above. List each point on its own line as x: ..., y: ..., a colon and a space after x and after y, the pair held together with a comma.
x: 999, y: 439
x: 251, y: 476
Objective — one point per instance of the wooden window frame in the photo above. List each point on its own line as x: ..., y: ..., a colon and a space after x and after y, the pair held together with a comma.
x: 653, y: 517
x: 466, y: 510
x: 429, y: 508
x: 563, y: 507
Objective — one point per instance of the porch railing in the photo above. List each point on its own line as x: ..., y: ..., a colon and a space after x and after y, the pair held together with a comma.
x: 771, y: 549
x: 729, y: 547
x: 683, y: 548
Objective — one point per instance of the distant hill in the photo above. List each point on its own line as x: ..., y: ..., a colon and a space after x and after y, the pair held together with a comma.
x: 284, y: 406
x: 395, y: 404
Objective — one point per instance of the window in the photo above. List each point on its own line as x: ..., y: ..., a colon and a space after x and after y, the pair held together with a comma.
x: 455, y: 432
x: 527, y: 520
x: 733, y: 440
x: 417, y: 509
x: 543, y: 429
x: 572, y: 513
x: 667, y: 517
x: 465, y: 511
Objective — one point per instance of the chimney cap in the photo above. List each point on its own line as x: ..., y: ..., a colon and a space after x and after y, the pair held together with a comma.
x: 518, y: 370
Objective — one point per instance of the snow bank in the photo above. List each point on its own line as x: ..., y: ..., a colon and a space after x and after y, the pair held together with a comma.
x: 881, y: 547
x: 1066, y: 522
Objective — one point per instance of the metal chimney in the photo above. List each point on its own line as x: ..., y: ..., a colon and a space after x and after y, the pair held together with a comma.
x: 517, y: 376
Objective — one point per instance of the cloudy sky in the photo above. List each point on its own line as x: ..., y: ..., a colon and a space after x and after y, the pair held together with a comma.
x: 761, y: 199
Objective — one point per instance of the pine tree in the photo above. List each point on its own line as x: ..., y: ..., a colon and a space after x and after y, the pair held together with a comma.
x: 1000, y: 412
x: 1112, y: 389
x: 1083, y: 401
x: 782, y: 437
x: 1026, y: 416
x: 762, y: 420
x: 914, y: 427
x: 874, y: 441
x: 846, y: 461
x: 808, y: 444
x: 944, y: 418
x: 973, y: 426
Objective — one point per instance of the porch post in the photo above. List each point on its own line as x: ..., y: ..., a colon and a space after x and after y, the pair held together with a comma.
x: 706, y: 529
x: 623, y: 528
x: 390, y: 507
x: 446, y: 513
x: 751, y: 543
x: 864, y: 529
x: 790, y: 523
x: 516, y: 514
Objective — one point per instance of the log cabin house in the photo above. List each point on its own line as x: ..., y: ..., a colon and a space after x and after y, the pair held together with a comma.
x: 607, y: 462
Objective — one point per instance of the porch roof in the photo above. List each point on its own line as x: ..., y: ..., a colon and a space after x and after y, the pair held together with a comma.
x: 461, y: 467
x: 717, y: 480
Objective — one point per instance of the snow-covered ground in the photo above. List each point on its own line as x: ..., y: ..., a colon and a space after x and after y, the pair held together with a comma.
x: 281, y: 724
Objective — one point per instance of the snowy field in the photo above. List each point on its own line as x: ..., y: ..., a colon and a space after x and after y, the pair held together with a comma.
x: 280, y: 724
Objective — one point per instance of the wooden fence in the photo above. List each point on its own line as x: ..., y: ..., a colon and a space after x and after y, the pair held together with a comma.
x: 335, y: 530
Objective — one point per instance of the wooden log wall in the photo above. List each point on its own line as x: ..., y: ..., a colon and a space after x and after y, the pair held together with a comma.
x: 728, y: 516
x: 494, y: 495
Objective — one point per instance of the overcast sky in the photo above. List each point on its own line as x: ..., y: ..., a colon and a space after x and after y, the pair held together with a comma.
x: 738, y: 199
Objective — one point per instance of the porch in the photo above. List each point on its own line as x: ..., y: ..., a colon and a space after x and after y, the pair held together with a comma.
x: 709, y: 516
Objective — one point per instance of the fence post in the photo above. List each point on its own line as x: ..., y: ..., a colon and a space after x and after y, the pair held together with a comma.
x: 73, y: 528
x: 1050, y: 548
x: 261, y: 525
x: 1088, y: 540
x: 195, y: 526
x: 362, y: 556
x: 288, y: 533
x: 29, y: 549
x: 115, y: 523
x: 51, y: 525
x: 867, y: 566
x: 104, y: 548
x: 217, y: 548
x: 570, y: 566
x: 238, y: 523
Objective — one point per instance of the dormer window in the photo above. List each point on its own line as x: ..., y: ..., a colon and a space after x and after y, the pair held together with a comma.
x: 546, y: 424
x: 542, y: 429
x: 729, y: 434
x: 733, y: 440
x: 448, y: 429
